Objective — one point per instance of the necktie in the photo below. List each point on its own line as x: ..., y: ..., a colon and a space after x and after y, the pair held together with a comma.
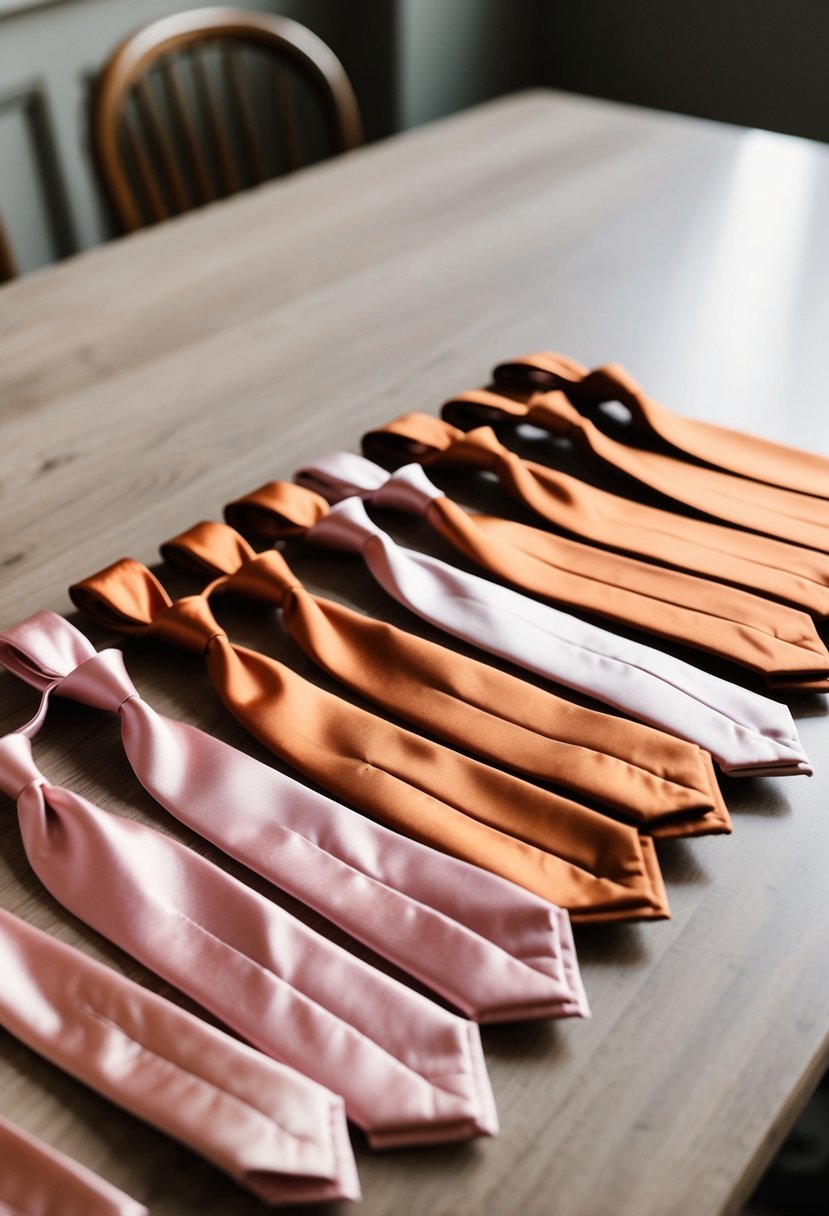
x: 471, y: 705
x: 780, y: 643
x: 771, y: 567
x: 36, y: 1179
x: 562, y: 851
x: 732, y: 451
x: 275, y: 1132
x: 724, y: 497
x: 287, y: 990
x: 498, y: 953
x: 745, y: 733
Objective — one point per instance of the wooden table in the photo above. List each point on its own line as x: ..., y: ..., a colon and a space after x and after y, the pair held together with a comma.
x: 145, y: 384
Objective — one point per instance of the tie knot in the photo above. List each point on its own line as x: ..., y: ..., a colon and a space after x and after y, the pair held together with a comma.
x: 189, y: 624
x: 267, y: 577
x: 412, y: 437
x: 408, y: 490
x: 346, y: 527
x: 102, y: 682
x: 276, y: 511
x: 479, y: 449
x: 555, y: 413
x: 17, y: 767
x: 218, y: 552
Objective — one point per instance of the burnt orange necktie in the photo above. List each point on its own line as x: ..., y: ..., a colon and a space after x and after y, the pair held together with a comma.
x: 571, y: 855
x: 769, y: 567
x: 775, y: 464
x: 780, y: 643
x: 663, y: 783
x: 723, y: 497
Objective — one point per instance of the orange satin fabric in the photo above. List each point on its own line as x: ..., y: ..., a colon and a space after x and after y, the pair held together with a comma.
x: 661, y: 782
x: 597, y: 868
x: 724, y: 497
x: 778, y: 642
x: 775, y: 464
x: 769, y: 567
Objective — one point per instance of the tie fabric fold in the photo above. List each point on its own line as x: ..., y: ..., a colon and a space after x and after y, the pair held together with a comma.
x: 408, y: 1071
x: 739, y: 452
x: 747, y: 734
x: 643, y: 774
x: 497, y: 953
x: 723, y: 497
x: 779, y: 643
x: 275, y: 1132
x: 773, y: 568
x: 560, y: 850
x: 36, y: 1179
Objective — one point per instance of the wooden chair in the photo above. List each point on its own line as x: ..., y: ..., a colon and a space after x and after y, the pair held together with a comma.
x: 205, y: 103
x: 8, y: 267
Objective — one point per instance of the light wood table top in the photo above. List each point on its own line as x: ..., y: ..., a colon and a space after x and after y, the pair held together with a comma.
x: 145, y: 384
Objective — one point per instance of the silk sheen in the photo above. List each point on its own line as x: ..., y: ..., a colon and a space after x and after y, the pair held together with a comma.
x: 744, y: 732
x: 761, y: 564
x: 275, y: 1132
x: 496, y: 951
x: 658, y: 781
x: 778, y: 642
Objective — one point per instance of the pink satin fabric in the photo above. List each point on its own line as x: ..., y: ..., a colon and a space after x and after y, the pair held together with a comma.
x: 284, y: 988
x: 496, y: 951
x: 275, y: 1132
x: 35, y: 1180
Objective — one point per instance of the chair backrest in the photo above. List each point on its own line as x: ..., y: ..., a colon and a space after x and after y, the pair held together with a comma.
x: 8, y: 267
x: 205, y: 103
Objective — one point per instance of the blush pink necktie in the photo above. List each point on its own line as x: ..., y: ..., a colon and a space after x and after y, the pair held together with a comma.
x: 498, y: 952
x: 717, y: 446
x: 563, y: 851
x: 735, y: 501
x: 36, y: 1179
x: 780, y: 643
x: 275, y: 1132
x: 286, y: 989
x: 746, y: 734
x: 663, y: 783
x: 761, y: 564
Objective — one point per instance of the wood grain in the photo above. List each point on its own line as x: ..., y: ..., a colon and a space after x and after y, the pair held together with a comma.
x: 146, y: 383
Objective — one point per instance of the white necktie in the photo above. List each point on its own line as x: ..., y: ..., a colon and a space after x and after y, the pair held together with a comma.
x: 745, y: 732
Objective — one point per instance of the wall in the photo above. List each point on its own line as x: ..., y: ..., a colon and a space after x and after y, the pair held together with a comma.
x: 760, y: 63
x: 756, y: 62
x: 456, y: 53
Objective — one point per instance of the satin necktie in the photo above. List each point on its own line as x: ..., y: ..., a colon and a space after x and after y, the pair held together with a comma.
x: 778, y: 642
x: 275, y: 1132
x: 409, y: 1071
x: 770, y: 567
x: 36, y: 1180
x: 720, y: 496
x: 569, y: 854
x: 498, y: 953
x: 661, y: 782
x: 746, y: 734
x: 739, y: 452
